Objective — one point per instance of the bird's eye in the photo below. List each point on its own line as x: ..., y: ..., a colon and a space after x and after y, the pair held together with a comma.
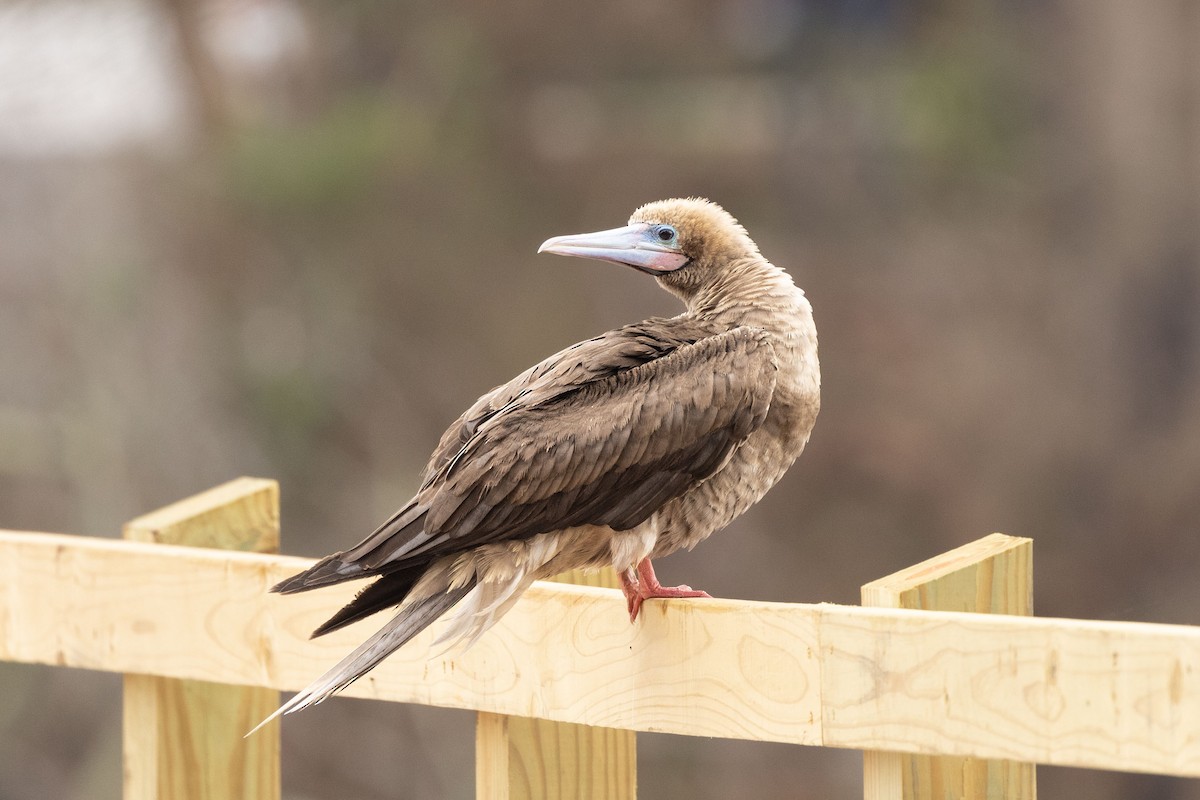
x: 666, y: 234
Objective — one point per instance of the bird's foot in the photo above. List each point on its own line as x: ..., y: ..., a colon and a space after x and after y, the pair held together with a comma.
x: 643, y: 585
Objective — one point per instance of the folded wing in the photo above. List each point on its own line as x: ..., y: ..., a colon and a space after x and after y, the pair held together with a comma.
x: 603, y: 433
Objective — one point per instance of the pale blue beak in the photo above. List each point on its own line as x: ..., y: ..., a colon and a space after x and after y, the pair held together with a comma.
x: 634, y: 245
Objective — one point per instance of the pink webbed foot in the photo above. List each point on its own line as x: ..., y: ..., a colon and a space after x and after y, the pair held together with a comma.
x: 643, y: 585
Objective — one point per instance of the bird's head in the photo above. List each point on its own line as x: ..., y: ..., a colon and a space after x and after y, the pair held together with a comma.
x: 685, y: 243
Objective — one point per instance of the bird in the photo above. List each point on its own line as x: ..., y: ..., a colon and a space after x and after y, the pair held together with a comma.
x: 622, y: 448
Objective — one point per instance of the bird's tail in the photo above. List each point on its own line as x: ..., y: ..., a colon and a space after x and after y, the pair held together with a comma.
x: 392, y: 636
x: 482, y: 609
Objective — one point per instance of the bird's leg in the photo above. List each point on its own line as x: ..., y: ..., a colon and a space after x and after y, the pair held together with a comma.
x: 644, y: 585
x: 628, y: 580
x: 650, y: 587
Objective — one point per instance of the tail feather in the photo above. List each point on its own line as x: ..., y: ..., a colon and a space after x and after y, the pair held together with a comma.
x: 482, y: 609
x: 375, y: 555
x: 390, y: 590
x: 395, y: 634
x: 326, y: 572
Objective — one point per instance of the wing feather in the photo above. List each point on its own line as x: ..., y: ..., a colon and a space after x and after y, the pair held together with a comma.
x: 649, y: 431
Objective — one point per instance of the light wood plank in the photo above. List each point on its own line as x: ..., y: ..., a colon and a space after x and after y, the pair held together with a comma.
x: 883, y: 775
x: 548, y: 759
x: 491, y: 756
x: 566, y: 653
x: 184, y: 738
x: 1109, y: 695
x: 242, y: 514
x: 991, y: 575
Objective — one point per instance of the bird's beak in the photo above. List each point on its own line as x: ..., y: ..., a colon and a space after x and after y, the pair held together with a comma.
x: 633, y: 245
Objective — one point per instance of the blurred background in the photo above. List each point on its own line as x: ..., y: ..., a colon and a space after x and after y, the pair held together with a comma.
x: 294, y: 239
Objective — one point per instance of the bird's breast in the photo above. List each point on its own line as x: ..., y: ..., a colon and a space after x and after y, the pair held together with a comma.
x: 763, y: 458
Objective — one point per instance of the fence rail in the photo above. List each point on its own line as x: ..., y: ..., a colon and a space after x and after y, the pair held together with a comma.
x: 1107, y: 695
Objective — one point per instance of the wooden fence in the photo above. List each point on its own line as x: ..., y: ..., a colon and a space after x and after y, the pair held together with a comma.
x: 946, y: 702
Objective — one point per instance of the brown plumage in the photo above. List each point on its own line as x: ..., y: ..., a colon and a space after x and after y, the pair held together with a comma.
x: 631, y: 445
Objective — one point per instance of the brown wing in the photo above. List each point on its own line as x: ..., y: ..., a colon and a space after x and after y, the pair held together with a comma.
x: 605, y: 355
x: 605, y: 433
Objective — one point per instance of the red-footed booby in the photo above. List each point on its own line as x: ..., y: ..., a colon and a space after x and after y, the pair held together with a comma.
x: 616, y: 450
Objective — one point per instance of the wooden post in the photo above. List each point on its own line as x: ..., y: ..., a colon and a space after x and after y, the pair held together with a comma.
x: 992, y: 575
x: 183, y: 738
x: 519, y: 757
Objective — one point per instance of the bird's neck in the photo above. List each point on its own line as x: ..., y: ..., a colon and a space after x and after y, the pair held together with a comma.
x: 759, y: 294
x: 753, y: 292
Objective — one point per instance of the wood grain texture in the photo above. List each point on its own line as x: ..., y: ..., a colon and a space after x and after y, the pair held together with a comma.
x: 883, y: 775
x: 242, y: 514
x: 545, y: 759
x: 519, y: 757
x: 991, y: 575
x: 491, y: 756
x: 183, y: 738
x: 1109, y: 695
